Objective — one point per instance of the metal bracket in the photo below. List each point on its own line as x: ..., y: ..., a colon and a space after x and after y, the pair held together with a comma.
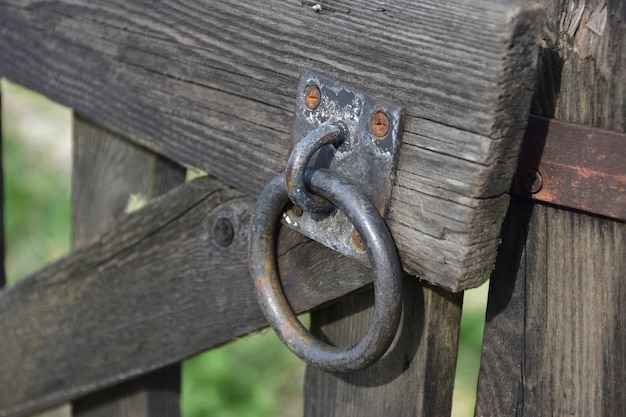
x: 367, y: 157
x: 574, y: 166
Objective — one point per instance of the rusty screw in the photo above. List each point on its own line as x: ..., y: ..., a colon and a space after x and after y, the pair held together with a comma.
x: 356, y: 241
x: 379, y: 125
x: 532, y: 181
x: 312, y: 96
x: 295, y: 210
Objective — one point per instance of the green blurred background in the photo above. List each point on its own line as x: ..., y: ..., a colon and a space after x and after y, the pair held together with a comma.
x: 252, y: 377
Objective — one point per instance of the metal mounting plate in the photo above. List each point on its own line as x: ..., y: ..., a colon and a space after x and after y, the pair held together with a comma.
x: 368, y: 161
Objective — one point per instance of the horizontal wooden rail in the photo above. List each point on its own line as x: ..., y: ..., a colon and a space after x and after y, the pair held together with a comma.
x: 168, y: 282
x: 213, y: 85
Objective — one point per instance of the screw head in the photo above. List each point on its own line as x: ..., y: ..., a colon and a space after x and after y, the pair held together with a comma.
x: 380, y: 124
x: 295, y: 211
x: 223, y: 232
x: 532, y: 182
x: 312, y: 97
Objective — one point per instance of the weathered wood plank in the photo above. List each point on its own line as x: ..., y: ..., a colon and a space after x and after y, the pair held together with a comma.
x: 212, y: 85
x: 108, y: 176
x: 121, y: 306
x: 554, y: 339
x: 3, y: 280
x: 415, y: 377
x: 500, y: 385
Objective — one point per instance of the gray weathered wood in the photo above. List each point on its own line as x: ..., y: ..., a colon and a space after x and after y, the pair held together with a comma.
x: 415, y: 377
x: 500, y: 386
x: 150, y: 292
x: 107, y: 172
x: 155, y: 394
x: 111, y: 176
x: 554, y: 339
x: 211, y: 84
x: 2, y: 271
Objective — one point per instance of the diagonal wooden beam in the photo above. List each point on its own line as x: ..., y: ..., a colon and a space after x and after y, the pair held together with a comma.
x: 164, y: 284
x: 212, y: 84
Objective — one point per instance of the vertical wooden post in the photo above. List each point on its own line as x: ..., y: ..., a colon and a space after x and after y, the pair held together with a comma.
x: 109, y: 177
x: 415, y: 377
x: 555, y: 342
x: 3, y: 280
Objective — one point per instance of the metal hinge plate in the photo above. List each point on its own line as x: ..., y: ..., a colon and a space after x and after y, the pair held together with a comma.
x: 367, y: 158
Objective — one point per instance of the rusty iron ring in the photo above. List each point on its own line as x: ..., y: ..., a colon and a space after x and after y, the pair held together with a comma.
x: 383, y: 258
x: 332, y: 134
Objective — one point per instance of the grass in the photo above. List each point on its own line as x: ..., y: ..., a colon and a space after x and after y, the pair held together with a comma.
x: 252, y: 377
x: 470, y: 344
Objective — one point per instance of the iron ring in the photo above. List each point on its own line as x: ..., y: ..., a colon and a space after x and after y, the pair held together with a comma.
x: 383, y: 258
x: 332, y: 134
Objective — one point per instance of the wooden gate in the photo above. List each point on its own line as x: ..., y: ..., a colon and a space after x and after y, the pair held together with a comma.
x: 160, y: 86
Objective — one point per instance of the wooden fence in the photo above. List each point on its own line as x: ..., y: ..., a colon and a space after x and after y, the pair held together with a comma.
x: 160, y: 86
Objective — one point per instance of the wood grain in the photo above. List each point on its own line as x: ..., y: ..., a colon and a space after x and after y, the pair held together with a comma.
x: 111, y: 176
x: 3, y: 280
x: 554, y: 338
x: 415, y: 377
x: 150, y: 292
x: 107, y: 172
x: 213, y: 84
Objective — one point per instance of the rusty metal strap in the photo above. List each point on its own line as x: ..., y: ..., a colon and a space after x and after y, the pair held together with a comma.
x: 573, y: 166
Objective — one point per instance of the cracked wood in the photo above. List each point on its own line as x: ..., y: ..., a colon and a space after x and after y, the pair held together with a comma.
x: 120, y: 306
x: 211, y: 84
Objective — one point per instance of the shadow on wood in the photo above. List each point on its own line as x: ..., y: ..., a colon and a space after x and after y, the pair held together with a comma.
x: 157, y: 278
x: 413, y: 378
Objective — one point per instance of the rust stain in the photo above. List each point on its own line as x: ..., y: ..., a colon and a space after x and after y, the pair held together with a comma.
x: 380, y: 125
x: 581, y: 167
x: 312, y: 97
x: 356, y: 241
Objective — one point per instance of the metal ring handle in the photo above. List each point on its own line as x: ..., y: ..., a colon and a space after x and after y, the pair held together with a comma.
x: 299, y: 160
x: 383, y: 258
